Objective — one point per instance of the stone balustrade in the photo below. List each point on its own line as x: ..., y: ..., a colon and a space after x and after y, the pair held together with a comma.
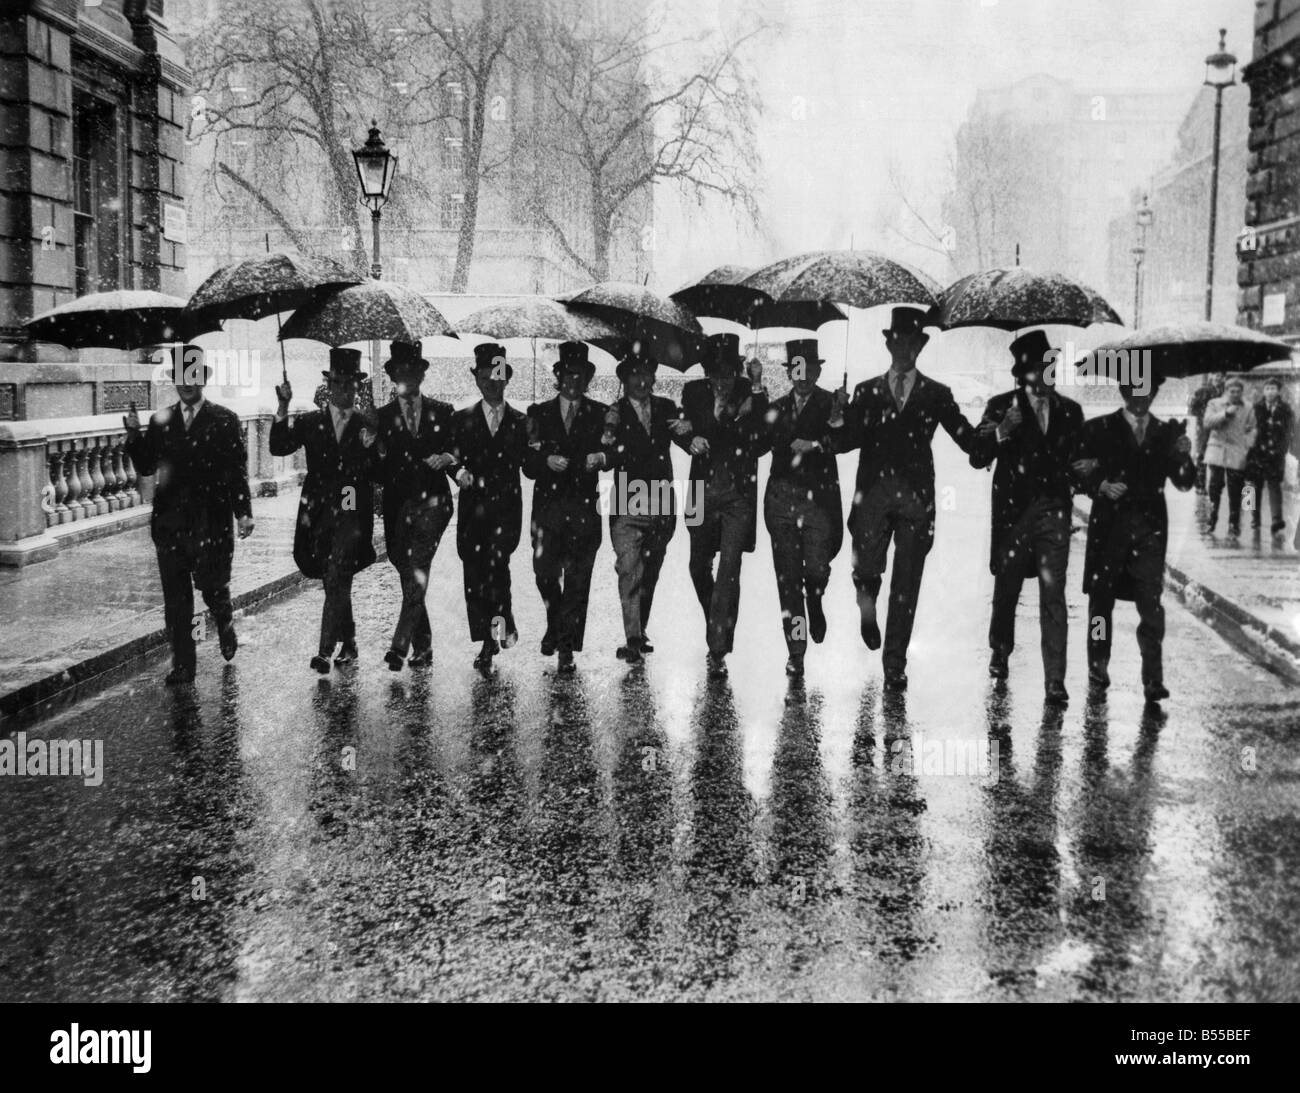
x: 66, y: 479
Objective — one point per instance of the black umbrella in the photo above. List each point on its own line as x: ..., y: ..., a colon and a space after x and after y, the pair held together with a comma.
x: 1183, y: 349
x: 539, y: 317
x: 266, y: 285
x: 371, y: 311
x: 860, y: 278
x: 127, y: 319
x: 720, y: 294
x: 666, y: 329
x: 1009, y: 299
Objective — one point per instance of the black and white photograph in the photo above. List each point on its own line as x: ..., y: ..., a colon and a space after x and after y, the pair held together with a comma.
x: 650, y: 501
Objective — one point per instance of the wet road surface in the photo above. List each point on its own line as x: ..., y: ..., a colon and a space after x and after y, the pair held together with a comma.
x: 646, y: 833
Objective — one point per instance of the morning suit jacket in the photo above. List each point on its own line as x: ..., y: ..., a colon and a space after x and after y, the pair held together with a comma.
x: 735, y: 443
x: 491, y: 507
x: 1144, y: 471
x: 897, y: 444
x: 559, y: 495
x: 817, y: 471
x: 1030, y: 466
x: 201, y: 485
x: 641, y: 456
x: 399, y: 460
x: 336, y: 512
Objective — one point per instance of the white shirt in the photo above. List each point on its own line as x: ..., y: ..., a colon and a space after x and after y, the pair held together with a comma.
x: 189, y: 411
x: 909, y: 381
x: 494, y: 415
x: 340, y: 419
x: 642, y: 411
x: 1133, y: 424
x: 1042, y: 409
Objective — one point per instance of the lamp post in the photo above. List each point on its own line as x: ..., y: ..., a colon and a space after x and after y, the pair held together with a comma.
x: 376, y: 166
x: 1143, y: 219
x: 1220, y: 72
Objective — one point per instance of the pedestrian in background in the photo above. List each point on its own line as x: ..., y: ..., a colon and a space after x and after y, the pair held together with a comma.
x: 1230, y: 422
x: 196, y: 449
x: 1196, y: 405
x: 1266, y: 462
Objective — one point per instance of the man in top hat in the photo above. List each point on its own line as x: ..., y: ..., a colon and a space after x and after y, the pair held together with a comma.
x: 565, y: 456
x: 1031, y: 433
x: 414, y: 458
x: 802, y: 507
x: 893, y: 419
x: 333, y: 540
x: 196, y: 449
x: 728, y: 434
x: 491, y: 444
x: 1128, y: 530
x: 643, y: 514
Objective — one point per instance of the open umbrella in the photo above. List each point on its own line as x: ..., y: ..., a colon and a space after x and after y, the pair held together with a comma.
x: 721, y: 294
x: 127, y: 319
x: 370, y: 311
x: 1009, y: 299
x: 860, y: 278
x: 664, y: 327
x: 1183, y: 349
x: 267, y: 284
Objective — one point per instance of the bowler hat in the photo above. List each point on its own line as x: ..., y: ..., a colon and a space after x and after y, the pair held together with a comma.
x: 722, y: 353
x: 907, y: 320
x: 1029, y: 353
x: 802, y: 351
x: 404, y: 355
x: 489, y: 355
x: 345, y: 364
x: 573, y: 358
x: 634, y: 360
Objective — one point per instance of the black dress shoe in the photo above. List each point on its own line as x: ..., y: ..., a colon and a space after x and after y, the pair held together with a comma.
x: 871, y: 633
x: 178, y: 677
x: 487, y: 651
x: 717, y: 666
x: 229, y: 642
x: 1155, y: 692
x: 566, y: 665
x: 895, y: 681
x: 421, y: 659
x: 548, y: 646
x: 646, y: 647
x: 348, y: 654
x: 393, y: 660
x: 998, y: 668
x: 794, y: 666
x: 630, y: 653
x: 816, y: 620
x: 1057, y: 695
x: 321, y: 665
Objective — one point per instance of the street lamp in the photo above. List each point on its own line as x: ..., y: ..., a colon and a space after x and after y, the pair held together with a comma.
x: 1144, y: 219
x: 1220, y: 72
x: 376, y: 166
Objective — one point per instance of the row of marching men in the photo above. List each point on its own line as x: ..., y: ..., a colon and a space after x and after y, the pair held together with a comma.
x: 417, y: 447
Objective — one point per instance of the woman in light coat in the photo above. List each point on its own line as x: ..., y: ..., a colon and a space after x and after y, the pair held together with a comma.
x: 1231, y: 424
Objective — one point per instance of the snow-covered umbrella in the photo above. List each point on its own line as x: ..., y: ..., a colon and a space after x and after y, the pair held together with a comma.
x: 370, y: 311
x: 670, y: 332
x: 1016, y: 297
x: 268, y: 284
x: 125, y: 319
x: 1185, y: 349
x: 722, y: 294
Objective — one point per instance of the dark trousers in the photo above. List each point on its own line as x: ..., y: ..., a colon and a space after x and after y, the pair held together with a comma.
x: 1144, y: 547
x: 336, y: 622
x: 565, y: 544
x: 179, y: 579
x: 892, y: 510
x: 725, y: 530
x: 640, y: 543
x: 488, y: 594
x: 416, y: 534
x: 1274, y: 486
x: 1236, y: 479
x: 1041, y: 533
x: 803, y: 537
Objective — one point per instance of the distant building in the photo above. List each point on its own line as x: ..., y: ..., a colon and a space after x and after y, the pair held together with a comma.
x: 1174, y: 263
x: 1269, y: 270
x: 92, y: 185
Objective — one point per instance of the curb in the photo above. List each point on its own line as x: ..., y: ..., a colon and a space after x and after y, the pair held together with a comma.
x: 1264, y: 644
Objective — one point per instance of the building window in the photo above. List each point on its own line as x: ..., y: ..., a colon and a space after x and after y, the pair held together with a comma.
x: 99, y: 194
x: 452, y: 205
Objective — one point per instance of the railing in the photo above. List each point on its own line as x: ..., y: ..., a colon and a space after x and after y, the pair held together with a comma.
x: 90, y: 472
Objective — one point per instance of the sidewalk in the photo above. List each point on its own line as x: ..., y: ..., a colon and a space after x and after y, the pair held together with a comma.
x: 98, y: 605
x: 1248, y: 591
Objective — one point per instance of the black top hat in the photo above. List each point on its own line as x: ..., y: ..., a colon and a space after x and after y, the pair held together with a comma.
x: 908, y: 320
x: 802, y: 351
x: 189, y: 366
x: 345, y: 364
x: 485, y: 355
x: 404, y: 355
x: 722, y: 353
x: 573, y: 357
x: 1029, y: 353
x: 634, y: 360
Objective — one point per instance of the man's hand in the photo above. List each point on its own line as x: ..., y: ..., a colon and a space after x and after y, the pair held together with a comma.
x: 367, y: 436
x: 800, y: 446
x: 284, y: 393
x: 440, y: 461
x: 1183, y: 445
x: 681, y: 426
x: 1084, y: 467
x: 1230, y: 410
x: 464, y: 478
x: 1011, y: 420
x: 699, y: 445
x: 595, y: 460
x: 558, y: 463
x: 131, y: 420
x: 1113, y: 491
x: 245, y: 526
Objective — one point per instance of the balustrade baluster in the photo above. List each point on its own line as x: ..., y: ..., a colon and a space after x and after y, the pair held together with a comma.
x: 59, y: 515
x: 94, y: 468
x: 76, y: 510
x: 113, y: 467
x: 128, y: 469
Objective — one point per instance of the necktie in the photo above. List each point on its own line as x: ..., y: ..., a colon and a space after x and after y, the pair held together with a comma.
x: 494, y: 419
x: 900, y: 389
x: 340, y: 423
x: 1140, y: 430
x: 189, y: 417
x: 412, y: 419
x: 569, y: 414
x: 1042, y: 415
x: 643, y: 412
